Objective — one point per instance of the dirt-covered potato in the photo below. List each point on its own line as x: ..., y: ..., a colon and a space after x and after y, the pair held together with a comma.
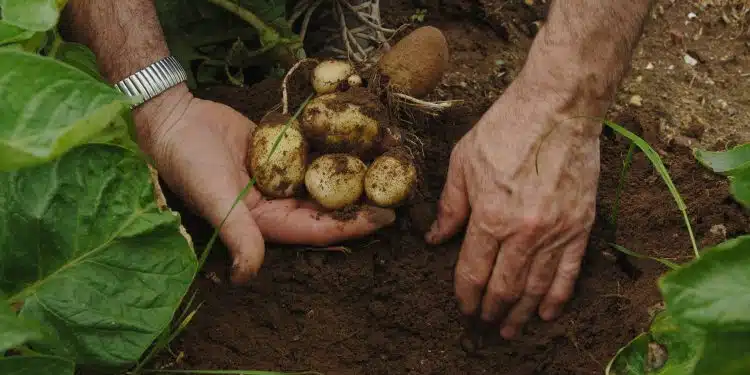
x: 284, y: 173
x: 336, y: 180
x: 343, y: 121
x: 391, y: 179
x: 329, y: 74
x: 416, y: 64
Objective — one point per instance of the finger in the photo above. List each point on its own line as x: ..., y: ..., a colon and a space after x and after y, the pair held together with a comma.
x: 453, y: 206
x: 245, y: 243
x: 564, y: 280
x: 289, y: 221
x: 474, y: 266
x: 214, y: 199
x: 541, y: 274
x: 508, y: 276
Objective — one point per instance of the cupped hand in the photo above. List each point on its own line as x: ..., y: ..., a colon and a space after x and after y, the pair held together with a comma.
x: 524, y: 179
x: 200, y: 147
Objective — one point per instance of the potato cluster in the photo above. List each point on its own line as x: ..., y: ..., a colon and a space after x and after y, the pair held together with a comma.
x: 342, y: 146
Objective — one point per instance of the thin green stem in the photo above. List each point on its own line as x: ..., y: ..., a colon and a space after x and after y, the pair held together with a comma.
x: 268, y: 34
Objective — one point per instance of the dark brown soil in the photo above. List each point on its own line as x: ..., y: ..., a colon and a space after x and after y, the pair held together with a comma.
x: 388, y: 306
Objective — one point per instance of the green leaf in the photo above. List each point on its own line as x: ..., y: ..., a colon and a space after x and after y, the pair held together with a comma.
x: 34, y: 15
x: 739, y: 188
x: 85, y: 247
x: 674, y: 347
x: 15, y: 331
x: 666, y: 349
x: 725, y: 162
x: 725, y: 354
x: 47, y: 108
x: 666, y: 262
x: 13, y: 34
x: 714, y: 291
x: 36, y: 365
x: 80, y: 57
x: 630, y: 359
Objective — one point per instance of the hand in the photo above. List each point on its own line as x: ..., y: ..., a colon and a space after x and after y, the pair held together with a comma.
x: 199, y: 148
x: 527, y: 228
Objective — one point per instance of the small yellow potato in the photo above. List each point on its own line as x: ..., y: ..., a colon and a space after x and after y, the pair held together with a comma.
x: 391, y: 179
x: 336, y: 180
x: 283, y: 174
x: 329, y: 74
x: 347, y: 122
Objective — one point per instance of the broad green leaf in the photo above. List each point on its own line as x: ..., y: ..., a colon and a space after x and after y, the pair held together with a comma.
x: 630, y: 359
x: 81, y: 57
x: 682, y: 346
x: 34, y: 15
x: 666, y: 349
x: 85, y: 247
x: 725, y: 354
x: 13, y: 34
x: 739, y: 188
x: 15, y: 331
x: 36, y: 365
x: 48, y: 107
x: 725, y: 162
x: 712, y: 292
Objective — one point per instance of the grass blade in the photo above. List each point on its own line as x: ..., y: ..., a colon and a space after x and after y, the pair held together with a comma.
x: 621, y: 185
x: 662, y: 170
x: 668, y: 263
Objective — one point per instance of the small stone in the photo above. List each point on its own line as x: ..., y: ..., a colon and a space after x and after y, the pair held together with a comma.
x: 690, y: 60
x: 719, y: 230
x: 650, y: 66
x: 692, y: 15
x: 636, y: 100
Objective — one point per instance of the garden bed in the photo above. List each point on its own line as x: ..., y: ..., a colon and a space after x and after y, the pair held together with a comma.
x: 388, y: 307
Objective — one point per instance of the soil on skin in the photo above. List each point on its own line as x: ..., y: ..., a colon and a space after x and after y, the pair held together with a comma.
x: 388, y: 307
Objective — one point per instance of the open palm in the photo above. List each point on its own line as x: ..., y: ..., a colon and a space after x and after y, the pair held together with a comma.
x: 202, y: 157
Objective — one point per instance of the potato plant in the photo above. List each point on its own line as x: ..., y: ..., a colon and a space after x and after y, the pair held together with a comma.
x: 704, y: 327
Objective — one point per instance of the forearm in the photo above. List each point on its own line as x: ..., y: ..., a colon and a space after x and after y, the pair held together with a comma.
x: 586, y: 46
x: 125, y: 36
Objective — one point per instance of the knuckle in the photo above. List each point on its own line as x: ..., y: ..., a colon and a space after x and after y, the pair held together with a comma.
x: 558, y: 298
x: 469, y: 278
x: 532, y: 224
x: 507, y: 296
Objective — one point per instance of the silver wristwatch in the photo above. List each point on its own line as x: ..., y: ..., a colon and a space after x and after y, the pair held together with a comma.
x: 153, y: 80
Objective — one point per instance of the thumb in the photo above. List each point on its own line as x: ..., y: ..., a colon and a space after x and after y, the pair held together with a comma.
x: 453, y: 207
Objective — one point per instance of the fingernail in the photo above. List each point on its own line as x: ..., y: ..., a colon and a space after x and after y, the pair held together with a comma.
x: 380, y: 216
x: 508, y: 333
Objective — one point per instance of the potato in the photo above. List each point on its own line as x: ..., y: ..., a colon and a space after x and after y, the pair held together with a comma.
x: 344, y: 121
x: 329, y: 74
x: 416, y: 64
x: 391, y: 179
x: 283, y: 174
x: 336, y: 180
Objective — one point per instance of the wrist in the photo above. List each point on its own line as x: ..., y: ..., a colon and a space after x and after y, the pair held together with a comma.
x: 157, y: 118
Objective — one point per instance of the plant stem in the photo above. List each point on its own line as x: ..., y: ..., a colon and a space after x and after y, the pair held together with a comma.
x: 268, y: 34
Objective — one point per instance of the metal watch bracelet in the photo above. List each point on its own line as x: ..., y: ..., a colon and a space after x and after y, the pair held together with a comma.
x: 153, y: 80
